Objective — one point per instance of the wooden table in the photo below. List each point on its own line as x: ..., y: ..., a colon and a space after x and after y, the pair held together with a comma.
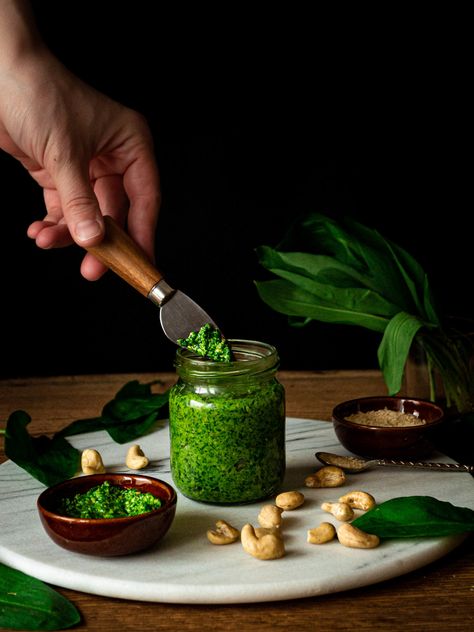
x: 440, y: 595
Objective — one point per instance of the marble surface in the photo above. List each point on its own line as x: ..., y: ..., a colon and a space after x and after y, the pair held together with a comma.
x: 186, y: 568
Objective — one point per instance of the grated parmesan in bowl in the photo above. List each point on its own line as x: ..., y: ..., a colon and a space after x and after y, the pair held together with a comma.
x: 385, y: 418
x: 387, y: 427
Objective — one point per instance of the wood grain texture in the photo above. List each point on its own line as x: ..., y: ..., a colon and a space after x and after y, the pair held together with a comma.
x: 122, y: 255
x: 440, y: 595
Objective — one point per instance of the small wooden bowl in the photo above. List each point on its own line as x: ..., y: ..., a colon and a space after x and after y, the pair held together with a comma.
x: 401, y: 442
x: 107, y: 536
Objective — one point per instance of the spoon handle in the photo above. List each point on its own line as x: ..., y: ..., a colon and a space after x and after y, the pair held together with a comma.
x: 451, y: 467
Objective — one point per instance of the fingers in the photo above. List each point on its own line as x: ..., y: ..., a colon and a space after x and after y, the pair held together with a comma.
x: 50, y: 235
x: 142, y: 184
x: 91, y: 268
x: 112, y: 197
x: 52, y: 231
x: 79, y: 205
x: 112, y: 201
x: 122, y: 181
x: 73, y: 213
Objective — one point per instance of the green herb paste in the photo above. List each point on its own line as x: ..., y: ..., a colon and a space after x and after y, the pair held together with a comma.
x: 228, y: 447
x: 109, y: 501
x: 209, y: 343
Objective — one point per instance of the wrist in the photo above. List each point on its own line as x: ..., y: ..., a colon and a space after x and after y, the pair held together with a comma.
x: 20, y: 40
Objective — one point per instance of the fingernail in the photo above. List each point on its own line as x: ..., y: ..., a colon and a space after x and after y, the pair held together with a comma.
x: 87, y: 229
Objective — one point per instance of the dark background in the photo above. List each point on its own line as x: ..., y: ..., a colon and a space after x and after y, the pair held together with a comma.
x: 255, y: 122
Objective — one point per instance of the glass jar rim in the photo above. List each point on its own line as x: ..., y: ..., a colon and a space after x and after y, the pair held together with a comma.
x: 252, y: 358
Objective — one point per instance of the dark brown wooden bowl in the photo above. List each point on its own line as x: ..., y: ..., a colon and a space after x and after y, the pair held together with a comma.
x: 401, y: 442
x: 107, y: 536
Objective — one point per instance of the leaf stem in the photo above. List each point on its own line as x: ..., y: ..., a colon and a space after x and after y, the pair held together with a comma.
x: 430, y: 369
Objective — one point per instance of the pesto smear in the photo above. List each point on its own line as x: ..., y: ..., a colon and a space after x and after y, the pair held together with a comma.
x: 209, y: 343
x: 109, y: 501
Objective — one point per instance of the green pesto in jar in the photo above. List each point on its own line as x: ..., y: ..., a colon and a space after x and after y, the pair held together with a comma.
x: 227, y: 426
x: 109, y: 501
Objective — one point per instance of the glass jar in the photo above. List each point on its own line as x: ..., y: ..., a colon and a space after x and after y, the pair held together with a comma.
x: 227, y: 425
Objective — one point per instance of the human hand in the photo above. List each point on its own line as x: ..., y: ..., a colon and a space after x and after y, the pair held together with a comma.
x: 91, y: 155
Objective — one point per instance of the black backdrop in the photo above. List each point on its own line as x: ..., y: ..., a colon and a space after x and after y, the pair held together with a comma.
x: 252, y: 127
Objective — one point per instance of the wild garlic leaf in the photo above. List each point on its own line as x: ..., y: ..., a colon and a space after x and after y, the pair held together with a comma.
x: 134, y: 428
x: 317, y: 251
x: 27, y: 603
x: 129, y: 415
x: 286, y: 298
x: 353, y: 298
x: 413, y: 276
x: 394, y: 349
x: 385, y: 267
x: 451, y: 356
x: 429, y: 303
x: 128, y: 409
x: 329, y: 237
x: 80, y: 426
x: 407, y: 275
x: 378, y: 255
x: 319, y: 267
x: 132, y: 413
x: 416, y: 516
x: 417, y: 281
x: 366, y: 250
x: 298, y: 322
x: 48, y: 460
x: 326, y: 271
x: 134, y: 388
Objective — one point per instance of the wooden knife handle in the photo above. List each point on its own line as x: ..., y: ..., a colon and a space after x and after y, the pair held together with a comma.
x: 121, y: 254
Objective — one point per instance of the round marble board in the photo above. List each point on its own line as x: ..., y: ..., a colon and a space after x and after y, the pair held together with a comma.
x: 185, y: 568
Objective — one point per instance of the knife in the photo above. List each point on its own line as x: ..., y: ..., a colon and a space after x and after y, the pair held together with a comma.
x: 179, y: 314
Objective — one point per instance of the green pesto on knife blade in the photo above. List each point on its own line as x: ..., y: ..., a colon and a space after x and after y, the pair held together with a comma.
x: 209, y: 343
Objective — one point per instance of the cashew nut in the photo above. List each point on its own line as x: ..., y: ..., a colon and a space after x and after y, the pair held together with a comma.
x: 349, y: 535
x: 329, y: 476
x: 341, y: 511
x: 267, y: 547
x: 136, y: 459
x: 287, y: 501
x: 324, y: 533
x: 358, y: 500
x: 270, y: 516
x: 223, y: 534
x: 261, y: 531
x: 91, y: 462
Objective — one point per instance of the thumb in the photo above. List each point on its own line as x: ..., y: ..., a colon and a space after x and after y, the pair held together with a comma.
x: 80, y: 206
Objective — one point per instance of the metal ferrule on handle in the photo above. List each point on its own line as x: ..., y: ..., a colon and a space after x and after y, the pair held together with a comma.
x: 160, y: 293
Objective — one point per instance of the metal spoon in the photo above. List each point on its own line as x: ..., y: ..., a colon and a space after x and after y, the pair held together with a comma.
x: 357, y: 464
